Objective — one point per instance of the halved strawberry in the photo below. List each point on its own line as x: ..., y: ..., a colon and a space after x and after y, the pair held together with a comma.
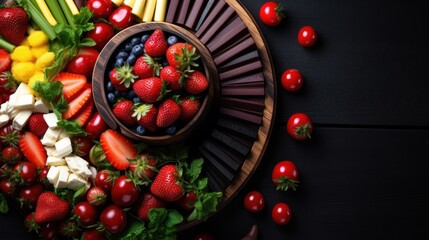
x: 4, y: 60
x: 33, y: 149
x: 78, y: 102
x: 85, y: 113
x: 117, y: 148
x: 72, y: 83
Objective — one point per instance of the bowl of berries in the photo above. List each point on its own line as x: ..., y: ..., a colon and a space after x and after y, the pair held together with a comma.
x: 155, y: 82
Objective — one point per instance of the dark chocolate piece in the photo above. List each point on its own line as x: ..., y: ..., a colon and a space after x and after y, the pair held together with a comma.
x: 229, y: 34
x: 231, y: 142
x: 241, y: 115
x: 231, y: 161
x: 214, y: 183
x: 235, y: 49
x: 241, y: 70
x: 194, y: 13
x: 256, y: 78
x: 220, y: 22
x: 231, y: 124
x: 172, y: 9
x: 243, y: 91
x: 254, y: 104
x: 204, y: 14
x: 183, y: 12
x: 240, y: 60
x: 211, y: 17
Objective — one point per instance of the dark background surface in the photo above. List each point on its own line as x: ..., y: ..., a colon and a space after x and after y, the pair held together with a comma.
x: 365, y: 172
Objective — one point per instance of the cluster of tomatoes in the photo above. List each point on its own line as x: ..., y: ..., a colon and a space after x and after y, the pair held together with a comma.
x: 299, y: 125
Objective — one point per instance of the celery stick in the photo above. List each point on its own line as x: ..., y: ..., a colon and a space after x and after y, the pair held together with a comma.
x: 6, y: 45
x: 67, y: 12
x: 56, y: 11
x: 39, y: 19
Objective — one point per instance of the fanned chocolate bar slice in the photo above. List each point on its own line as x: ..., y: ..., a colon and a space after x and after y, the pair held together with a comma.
x: 183, y: 12
x: 243, y: 91
x: 220, y: 22
x: 231, y: 160
x: 254, y: 104
x: 255, y: 78
x: 223, y: 175
x: 230, y: 141
x: 241, y: 115
x: 229, y: 52
x: 241, y: 70
x: 172, y: 9
x: 212, y: 17
x: 194, y: 13
x: 229, y: 34
x: 213, y: 182
x: 207, y: 8
x: 232, y: 124
x: 240, y: 60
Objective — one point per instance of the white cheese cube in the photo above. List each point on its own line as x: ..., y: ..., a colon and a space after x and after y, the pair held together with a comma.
x: 63, y: 178
x: 21, y: 119
x: 50, y: 151
x: 50, y: 119
x: 53, y: 174
x: 55, y: 161
x: 24, y: 102
x: 75, y: 181
x: 51, y: 136
x: 63, y: 147
x: 77, y: 159
x: 40, y: 106
x: 93, y: 171
x: 77, y: 167
x: 63, y: 134
x: 4, y: 119
x: 22, y: 89
x: 12, y: 100
x: 4, y: 107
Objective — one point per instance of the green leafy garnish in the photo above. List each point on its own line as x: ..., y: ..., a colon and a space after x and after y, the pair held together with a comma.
x: 4, y: 207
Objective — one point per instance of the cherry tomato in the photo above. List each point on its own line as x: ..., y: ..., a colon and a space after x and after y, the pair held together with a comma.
x: 27, y: 172
x: 187, y: 201
x: 11, y: 155
x: 113, y: 219
x: 29, y: 195
x: 299, y: 126
x: 254, y: 202
x: 7, y: 187
x: 49, y: 231
x: 124, y: 192
x: 30, y: 224
x: 101, y: 34
x: 100, y: 8
x: 307, y: 36
x: 93, y: 234
x: 121, y: 17
x: 104, y: 180
x: 291, y: 80
x: 96, y: 125
x: 84, y: 62
x: 82, y: 145
x: 271, y: 13
x: 285, y: 175
x: 86, y: 212
x: 281, y: 213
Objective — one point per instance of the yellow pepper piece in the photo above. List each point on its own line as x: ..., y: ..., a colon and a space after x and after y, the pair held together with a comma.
x: 46, y: 12
x: 160, y: 9
x: 39, y: 51
x: 37, y: 77
x: 45, y: 60
x: 38, y: 38
x: 22, y: 71
x: 22, y: 54
x: 149, y: 11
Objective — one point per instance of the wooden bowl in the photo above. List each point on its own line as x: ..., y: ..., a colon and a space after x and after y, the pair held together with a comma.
x: 104, y: 64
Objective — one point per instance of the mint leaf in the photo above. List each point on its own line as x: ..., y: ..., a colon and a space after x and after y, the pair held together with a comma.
x: 195, y: 170
x: 86, y: 42
x: 162, y: 224
x: 4, y: 207
x: 48, y: 90
x: 61, y: 105
x: 72, y: 127
x: 205, y: 205
x: 82, y: 20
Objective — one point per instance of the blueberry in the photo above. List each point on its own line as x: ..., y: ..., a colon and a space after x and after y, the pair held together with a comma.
x: 119, y: 62
x: 137, y: 50
x: 131, y: 59
x: 136, y: 100
x: 135, y: 41
x: 117, y: 93
x: 171, y: 130
x: 131, y: 94
x: 165, y: 63
x: 124, y: 94
x: 122, y: 54
x: 140, y: 130
x: 111, y: 98
x: 109, y: 87
x: 172, y: 40
x: 144, y: 38
x: 128, y: 47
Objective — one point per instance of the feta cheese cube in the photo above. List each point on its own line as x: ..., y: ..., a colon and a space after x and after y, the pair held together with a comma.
x: 50, y: 119
x: 22, y: 89
x: 24, y: 102
x: 78, y: 167
x: 4, y: 119
x: 53, y: 174
x: 21, y: 119
x: 63, y: 147
x: 55, y: 161
x: 63, y: 134
x: 63, y: 178
x: 50, y: 151
x: 78, y: 160
x: 4, y: 107
x: 75, y: 181
x: 40, y: 106
x: 51, y: 136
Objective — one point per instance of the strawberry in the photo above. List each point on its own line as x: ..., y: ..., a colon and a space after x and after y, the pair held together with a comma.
x: 96, y: 196
x: 72, y: 83
x: 7, y: 84
x: 196, y: 82
x: 13, y: 24
x: 117, y: 148
x: 190, y: 107
x: 182, y: 56
x: 77, y: 103
x: 168, y: 112
x: 122, y: 77
x: 123, y: 111
x: 146, y: 67
x: 173, y: 77
x: 50, y: 207
x: 156, y: 45
x: 150, y: 90
x: 144, y: 166
x: 145, y: 115
x: 166, y: 184
x: 33, y: 149
x: 4, y: 60
x: 148, y: 201
x: 84, y: 114
x: 37, y: 124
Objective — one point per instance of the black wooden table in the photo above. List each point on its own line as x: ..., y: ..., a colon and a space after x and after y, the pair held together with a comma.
x: 365, y: 172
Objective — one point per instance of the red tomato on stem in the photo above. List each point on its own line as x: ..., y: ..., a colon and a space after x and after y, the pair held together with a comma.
x: 101, y: 34
x: 100, y: 8
x: 299, y: 126
x: 285, y: 175
x: 84, y: 62
x: 121, y: 17
x: 271, y: 13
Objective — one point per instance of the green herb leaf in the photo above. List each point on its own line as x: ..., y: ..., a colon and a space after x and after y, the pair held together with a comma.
x: 61, y: 105
x: 4, y: 207
x: 86, y: 42
x: 205, y: 205
x: 162, y: 224
x: 48, y: 90
x: 72, y: 127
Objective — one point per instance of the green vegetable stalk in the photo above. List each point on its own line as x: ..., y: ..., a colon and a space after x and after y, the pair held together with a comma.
x: 56, y: 11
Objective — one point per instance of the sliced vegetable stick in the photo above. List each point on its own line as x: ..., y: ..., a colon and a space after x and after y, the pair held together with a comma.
x: 56, y: 11
x: 46, y: 12
x: 160, y: 9
x: 72, y: 6
x: 138, y: 8
x: 129, y: 3
x: 117, y: 2
x: 149, y: 9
